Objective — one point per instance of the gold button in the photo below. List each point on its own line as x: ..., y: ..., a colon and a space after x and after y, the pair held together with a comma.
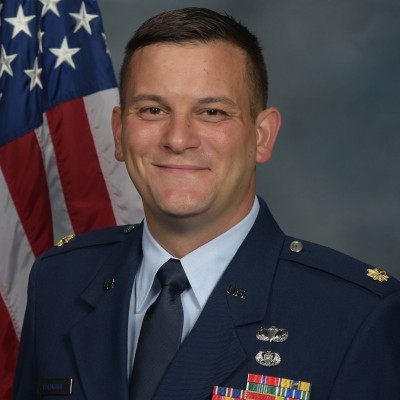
x: 296, y: 246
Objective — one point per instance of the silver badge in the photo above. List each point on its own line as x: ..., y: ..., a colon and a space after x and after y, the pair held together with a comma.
x: 272, y: 334
x: 268, y: 359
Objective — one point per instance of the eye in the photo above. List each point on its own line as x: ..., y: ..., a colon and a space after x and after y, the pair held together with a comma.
x: 152, y: 110
x: 151, y: 113
x: 214, y: 111
x: 213, y: 115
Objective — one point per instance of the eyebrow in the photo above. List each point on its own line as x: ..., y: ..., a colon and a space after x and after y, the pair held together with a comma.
x: 206, y: 100
x: 213, y: 100
x: 142, y: 97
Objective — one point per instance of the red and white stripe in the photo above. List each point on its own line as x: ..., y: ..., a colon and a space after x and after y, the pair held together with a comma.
x: 61, y: 178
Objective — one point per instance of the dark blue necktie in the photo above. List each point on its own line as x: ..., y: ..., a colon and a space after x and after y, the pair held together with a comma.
x: 161, y: 333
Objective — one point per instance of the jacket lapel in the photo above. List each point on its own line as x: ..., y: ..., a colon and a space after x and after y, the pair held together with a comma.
x: 207, y: 355
x: 212, y: 351
x: 99, y: 341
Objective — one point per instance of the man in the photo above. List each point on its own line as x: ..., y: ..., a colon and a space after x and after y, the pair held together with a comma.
x: 191, y: 127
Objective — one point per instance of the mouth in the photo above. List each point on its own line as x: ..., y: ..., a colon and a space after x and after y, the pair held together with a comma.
x: 180, y: 168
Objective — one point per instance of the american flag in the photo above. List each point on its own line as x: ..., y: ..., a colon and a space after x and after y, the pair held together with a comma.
x: 57, y: 169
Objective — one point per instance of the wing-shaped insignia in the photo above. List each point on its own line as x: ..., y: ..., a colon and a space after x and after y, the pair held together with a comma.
x: 272, y: 334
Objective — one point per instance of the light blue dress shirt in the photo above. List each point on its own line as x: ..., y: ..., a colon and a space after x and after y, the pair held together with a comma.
x: 203, y: 267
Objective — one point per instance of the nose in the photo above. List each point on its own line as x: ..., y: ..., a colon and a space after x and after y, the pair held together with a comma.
x: 180, y: 134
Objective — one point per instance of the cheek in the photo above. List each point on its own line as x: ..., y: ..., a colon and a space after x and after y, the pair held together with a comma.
x: 238, y: 147
x: 136, y: 140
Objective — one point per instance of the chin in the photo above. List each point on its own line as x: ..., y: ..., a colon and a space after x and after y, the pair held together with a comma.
x: 183, y: 207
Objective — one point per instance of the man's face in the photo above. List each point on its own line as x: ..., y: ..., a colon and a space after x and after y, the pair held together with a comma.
x: 187, y: 135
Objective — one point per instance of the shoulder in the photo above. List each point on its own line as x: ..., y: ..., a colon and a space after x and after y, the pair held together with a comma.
x: 77, y: 258
x: 100, y: 237
x: 341, y: 266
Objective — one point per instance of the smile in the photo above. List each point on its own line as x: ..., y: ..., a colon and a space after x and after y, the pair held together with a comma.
x: 180, y: 169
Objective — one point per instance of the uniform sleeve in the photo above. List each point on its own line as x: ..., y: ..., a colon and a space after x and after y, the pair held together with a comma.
x: 26, y: 372
x: 371, y: 367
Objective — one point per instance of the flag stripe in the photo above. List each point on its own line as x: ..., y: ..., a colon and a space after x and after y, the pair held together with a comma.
x: 125, y: 200
x: 61, y: 221
x: 22, y: 165
x: 8, y: 351
x: 15, y: 252
x: 78, y: 166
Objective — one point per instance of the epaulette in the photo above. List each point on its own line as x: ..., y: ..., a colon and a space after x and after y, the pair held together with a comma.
x: 340, y: 265
x: 96, y: 237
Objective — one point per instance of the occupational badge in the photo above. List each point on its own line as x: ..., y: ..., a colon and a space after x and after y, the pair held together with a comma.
x: 268, y: 358
x: 272, y: 334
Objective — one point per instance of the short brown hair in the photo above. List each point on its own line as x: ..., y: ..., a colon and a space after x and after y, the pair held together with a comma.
x: 200, y: 25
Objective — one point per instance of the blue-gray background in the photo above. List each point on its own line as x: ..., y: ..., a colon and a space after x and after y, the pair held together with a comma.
x: 334, y: 68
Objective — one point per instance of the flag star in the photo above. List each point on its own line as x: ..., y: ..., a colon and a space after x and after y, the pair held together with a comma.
x: 64, y: 54
x: 5, y: 62
x: 40, y: 35
x: 34, y: 74
x: 20, y: 22
x: 83, y: 19
x: 50, y: 5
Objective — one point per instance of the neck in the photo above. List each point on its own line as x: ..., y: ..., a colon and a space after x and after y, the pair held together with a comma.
x: 180, y: 236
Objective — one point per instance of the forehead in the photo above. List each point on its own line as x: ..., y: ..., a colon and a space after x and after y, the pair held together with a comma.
x: 217, y: 63
x: 209, y: 49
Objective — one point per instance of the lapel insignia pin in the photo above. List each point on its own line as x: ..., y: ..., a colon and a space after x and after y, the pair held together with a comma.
x: 65, y: 240
x: 109, y: 284
x: 377, y: 274
x: 268, y: 358
x: 235, y: 291
x: 272, y: 334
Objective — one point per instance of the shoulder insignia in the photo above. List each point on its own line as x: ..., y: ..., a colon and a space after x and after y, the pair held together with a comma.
x: 377, y: 274
x: 65, y: 240
x: 342, y: 266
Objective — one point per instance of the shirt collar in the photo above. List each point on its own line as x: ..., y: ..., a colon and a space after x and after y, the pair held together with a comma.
x: 154, y: 256
x: 203, y: 266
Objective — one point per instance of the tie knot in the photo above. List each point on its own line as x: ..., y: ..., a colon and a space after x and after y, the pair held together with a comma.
x: 172, y: 274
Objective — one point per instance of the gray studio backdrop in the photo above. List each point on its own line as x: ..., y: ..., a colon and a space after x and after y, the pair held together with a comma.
x: 334, y: 69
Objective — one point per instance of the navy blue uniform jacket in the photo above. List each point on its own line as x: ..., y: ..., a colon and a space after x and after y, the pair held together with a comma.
x: 344, y: 327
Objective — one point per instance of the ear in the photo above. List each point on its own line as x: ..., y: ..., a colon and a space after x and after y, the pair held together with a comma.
x: 116, y: 123
x: 268, y: 123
